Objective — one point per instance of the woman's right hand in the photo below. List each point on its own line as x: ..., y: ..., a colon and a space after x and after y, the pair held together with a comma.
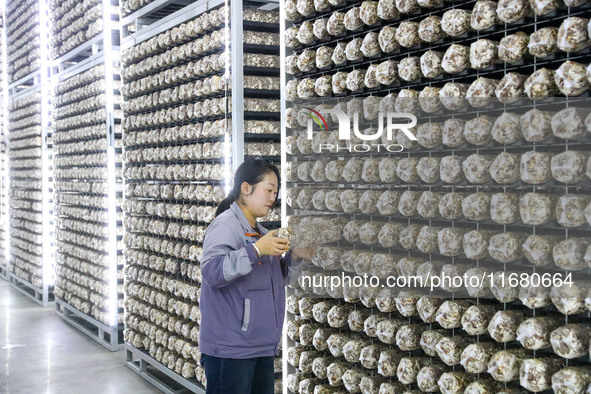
x: 271, y: 245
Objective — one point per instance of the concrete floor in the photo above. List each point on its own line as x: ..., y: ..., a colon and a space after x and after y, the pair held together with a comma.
x: 41, y: 354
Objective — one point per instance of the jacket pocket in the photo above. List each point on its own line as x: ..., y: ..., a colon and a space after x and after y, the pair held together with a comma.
x: 259, y: 278
x: 262, y: 327
x: 246, y: 315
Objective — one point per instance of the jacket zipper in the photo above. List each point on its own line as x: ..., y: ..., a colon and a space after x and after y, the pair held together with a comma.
x: 274, y: 302
x: 257, y: 234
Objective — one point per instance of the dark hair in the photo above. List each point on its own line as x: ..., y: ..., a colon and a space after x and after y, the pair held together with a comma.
x: 251, y: 171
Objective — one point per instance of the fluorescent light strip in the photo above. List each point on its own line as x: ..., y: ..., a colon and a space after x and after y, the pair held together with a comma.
x: 6, y: 175
x: 48, y: 271
x: 112, y: 301
x: 284, y: 364
x: 227, y: 134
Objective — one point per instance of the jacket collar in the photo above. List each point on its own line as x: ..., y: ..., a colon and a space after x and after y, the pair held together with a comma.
x: 243, y: 221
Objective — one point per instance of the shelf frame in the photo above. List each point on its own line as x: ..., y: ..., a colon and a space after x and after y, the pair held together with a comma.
x: 100, y: 50
x: 4, y: 274
x: 138, y: 361
x: 144, y: 15
x: 47, y: 150
x: 111, y: 53
x: 90, y: 326
x: 284, y: 24
x: 35, y: 294
x: 31, y: 80
x: 4, y: 180
x: 38, y: 82
x: 498, y: 70
x: 82, y: 66
x: 237, y: 62
x: 150, y: 30
x: 98, y: 45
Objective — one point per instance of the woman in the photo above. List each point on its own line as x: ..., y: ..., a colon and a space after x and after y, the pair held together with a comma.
x: 243, y: 291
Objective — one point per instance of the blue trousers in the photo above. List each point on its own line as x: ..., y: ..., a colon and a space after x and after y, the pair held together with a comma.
x: 238, y: 376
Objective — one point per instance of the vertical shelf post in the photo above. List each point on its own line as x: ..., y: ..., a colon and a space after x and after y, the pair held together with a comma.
x: 237, y: 70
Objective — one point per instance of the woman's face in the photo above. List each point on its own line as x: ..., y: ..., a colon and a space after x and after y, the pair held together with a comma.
x: 263, y: 197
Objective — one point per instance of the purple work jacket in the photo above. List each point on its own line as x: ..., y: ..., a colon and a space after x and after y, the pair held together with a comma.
x: 242, y: 297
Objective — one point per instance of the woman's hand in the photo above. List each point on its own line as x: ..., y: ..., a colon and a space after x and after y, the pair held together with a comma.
x: 304, y: 253
x: 271, y: 245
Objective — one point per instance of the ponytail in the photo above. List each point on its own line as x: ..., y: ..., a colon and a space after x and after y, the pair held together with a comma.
x: 227, y: 202
x: 251, y: 171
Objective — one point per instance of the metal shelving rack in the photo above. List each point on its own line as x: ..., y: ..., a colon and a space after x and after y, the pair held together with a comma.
x: 286, y: 369
x: 95, y: 62
x: 157, y: 374
x: 4, y: 197
x: 159, y: 16
x: 153, y: 12
x: 3, y: 156
x: 107, y: 41
x: 497, y: 71
x: 36, y: 283
x: 146, y: 23
x: 143, y: 353
x: 32, y: 88
x: 25, y: 23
